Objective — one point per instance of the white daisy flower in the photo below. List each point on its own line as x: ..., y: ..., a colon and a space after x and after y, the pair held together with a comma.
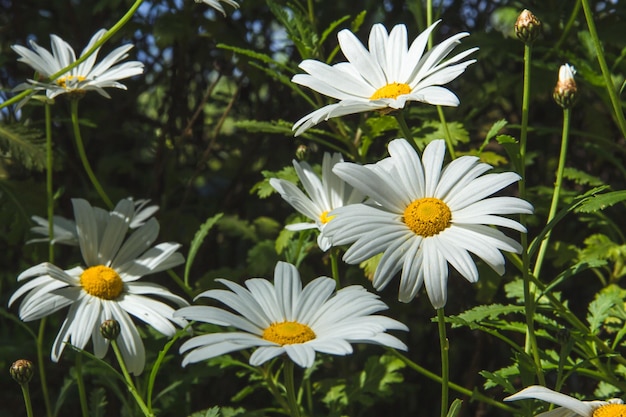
x: 107, y: 287
x: 386, y: 76
x: 64, y: 230
x: 570, y: 407
x: 324, y: 195
x: 286, y: 318
x: 217, y: 6
x: 423, y: 217
x: 86, y: 76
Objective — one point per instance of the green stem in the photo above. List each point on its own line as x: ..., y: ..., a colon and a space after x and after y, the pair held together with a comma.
x: 27, y: 402
x: 404, y: 128
x: 445, y: 365
x: 83, y: 155
x: 49, y: 185
x: 606, y: 74
x: 42, y: 369
x: 268, y: 376
x: 81, y: 386
x: 458, y: 388
x: 107, y: 35
x: 556, y: 193
x: 530, y: 345
x: 334, y: 265
x: 129, y: 381
x: 446, y: 132
x: 290, y: 388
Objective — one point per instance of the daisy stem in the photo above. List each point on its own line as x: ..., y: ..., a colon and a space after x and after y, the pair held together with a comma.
x: 82, y: 395
x: 334, y: 265
x: 445, y: 371
x: 83, y: 155
x: 606, y: 73
x: 129, y: 381
x: 556, y: 193
x: 405, y: 128
x: 446, y: 132
x: 268, y: 376
x: 27, y: 402
x: 458, y: 388
x: 42, y: 369
x: 530, y: 345
x: 49, y: 186
x: 290, y: 388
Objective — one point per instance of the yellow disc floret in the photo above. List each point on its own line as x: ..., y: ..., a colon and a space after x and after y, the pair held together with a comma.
x: 288, y: 333
x: 63, y: 81
x: 325, y: 218
x: 392, y: 90
x: 610, y: 410
x: 102, y: 282
x: 427, y: 216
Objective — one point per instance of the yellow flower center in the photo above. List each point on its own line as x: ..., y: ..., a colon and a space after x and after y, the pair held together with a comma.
x: 62, y: 82
x: 102, y: 282
x: 427, y: 216
x: 392, y: 90
x: 288, y: 333
x: 610, y: 410
x: 325, y: 218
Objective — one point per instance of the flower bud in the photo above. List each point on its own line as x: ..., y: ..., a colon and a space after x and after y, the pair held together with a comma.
x: 527, y: 27
x: 22, y: 371
x: 565, y: 92
x: 302, y: 152
x: 110, y: 329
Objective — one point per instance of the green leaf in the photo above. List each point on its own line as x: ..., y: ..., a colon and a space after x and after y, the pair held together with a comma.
x: 97, y: 402
x: 455, y: 408
x: 278, y: 126
x: 24, y: 144
x: 502, y: 377
x: 266, y: 59
x: 491, y: 311
x: 332, y: 27
x: 211, y: 412
x: 264, y: 189
x: 493, y: 131
x: 601, y: 201
x: 369, y: 266
x: 432, y: 130
x: 581, y: 177
x: 600, y: 308
x: 202, y: 232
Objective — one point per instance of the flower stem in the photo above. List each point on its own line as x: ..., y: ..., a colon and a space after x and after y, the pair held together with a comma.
x: 42, y: 370
x: 334, y: 265
x: 290, y: 388
x: 129, y: 381
x: 404, y: 127
x: 83, y: 156
x: 458, y: 388
x: 445, y: 366
x: 81, y: 386
x: 606, y: 73
x: 27, y: 402
x: 556, y: 193
x: 530, y: 345
x: 446, y: 132
x: 49, y: 185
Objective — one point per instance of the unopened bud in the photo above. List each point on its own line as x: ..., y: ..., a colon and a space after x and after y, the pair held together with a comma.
x: 527, y: 27
x: 565, y: 92
x: 302, y: 152
x: 22, y: 371
x: 110, y: 329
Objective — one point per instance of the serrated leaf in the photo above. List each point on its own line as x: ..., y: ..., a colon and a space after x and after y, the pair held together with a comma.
x: 253, y: 54
x: 491, y: 312
x: 600, y: 308
x: 24, y: 144
x: 264, y: 189
x: 500, y: 378
x: 581, y: 177
x: 283, y: 239
x: 97, y: 402
x: 433, y: 129
x: 330, y: 29
x: 495, y: 128
x: 279, y: 126
x: 601, y: 201
x: 211, y: 412
x: 198, y: 238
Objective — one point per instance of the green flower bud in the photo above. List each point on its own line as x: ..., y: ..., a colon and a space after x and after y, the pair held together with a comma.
x: 565, y: 92
x: 527, y: 27
x: 22, y: 371
x: 110, y: 329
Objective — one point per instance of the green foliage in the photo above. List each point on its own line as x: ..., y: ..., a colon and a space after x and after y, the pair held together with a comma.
x: 263, y: 188
x: 199, y: 237
x: 97, y: 402
x: 24, y: 144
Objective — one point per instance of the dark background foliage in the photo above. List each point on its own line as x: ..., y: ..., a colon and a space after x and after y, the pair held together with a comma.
x: 176, y: 138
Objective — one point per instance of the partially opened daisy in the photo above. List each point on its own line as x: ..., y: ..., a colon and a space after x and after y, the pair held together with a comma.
x: 422, y: 217
x: 217, y: 5
x: 84, y: 77
x: 324, y: 195
x: 285, y: 318
x: 64, y: 230
x: 569, y: 406
x: 107, y: 286
x: 385, y: 77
